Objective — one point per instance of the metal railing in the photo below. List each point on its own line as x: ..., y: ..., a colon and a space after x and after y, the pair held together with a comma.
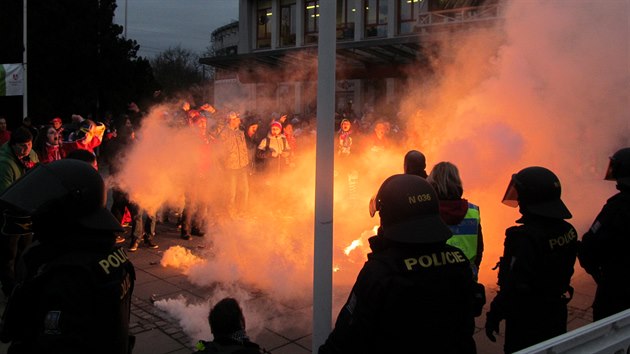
x: 459, y: 15
x: 610, y: 335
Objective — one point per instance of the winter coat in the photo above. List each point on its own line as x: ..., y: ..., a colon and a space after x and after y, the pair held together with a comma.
x: 453, y: 213
x: 12, y: 168
x: 408, y: 298
x: 603, y: 253
x: 72, y: 299
x: 51, y: 153
x: 534, y: 280
x: 234, y: 148
x: 274, y: 145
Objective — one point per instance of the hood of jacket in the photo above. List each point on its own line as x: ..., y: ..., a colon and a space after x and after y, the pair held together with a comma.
x: 453, y: 211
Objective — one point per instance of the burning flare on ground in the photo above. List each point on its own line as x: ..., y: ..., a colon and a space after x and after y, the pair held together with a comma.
x: 180, y: 258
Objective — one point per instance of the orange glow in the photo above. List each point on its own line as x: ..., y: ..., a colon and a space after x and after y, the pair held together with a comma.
x: 180, y: 258
x: 353, y: 245
x: 490, y: 101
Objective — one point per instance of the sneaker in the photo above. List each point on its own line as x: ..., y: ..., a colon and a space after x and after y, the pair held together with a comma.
x: 133, y: 247
x: 120, y: 239
x: 151, y: 245
x: 186, y: 237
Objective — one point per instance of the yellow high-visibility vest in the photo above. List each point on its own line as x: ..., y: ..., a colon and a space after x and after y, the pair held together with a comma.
x: 465, y: 233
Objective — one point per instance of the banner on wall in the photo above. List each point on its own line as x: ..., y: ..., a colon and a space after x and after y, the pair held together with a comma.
x: 11, y: 80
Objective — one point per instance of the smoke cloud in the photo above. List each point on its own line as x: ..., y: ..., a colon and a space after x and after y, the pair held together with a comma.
x: 548, y: 86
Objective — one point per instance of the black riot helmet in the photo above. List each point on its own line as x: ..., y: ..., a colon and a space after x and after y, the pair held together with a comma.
x: 619, y: 167
x: 67, y: 191
x: 409, y: 210
x: 537, y: 191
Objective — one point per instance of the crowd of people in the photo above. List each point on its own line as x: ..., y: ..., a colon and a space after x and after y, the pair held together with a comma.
x: 417, y: 292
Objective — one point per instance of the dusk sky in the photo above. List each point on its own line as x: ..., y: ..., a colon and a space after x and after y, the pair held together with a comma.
x: 161, y: 24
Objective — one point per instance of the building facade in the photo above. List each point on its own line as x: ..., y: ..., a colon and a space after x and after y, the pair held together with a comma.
x: 269, y: 57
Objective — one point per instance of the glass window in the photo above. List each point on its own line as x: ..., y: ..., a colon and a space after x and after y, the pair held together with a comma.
x: 375, y: 18
x: 345, y: 19
x: 311, y: 21
x: 263, y: 28
x: 287, y: 23
x: 407, y: 13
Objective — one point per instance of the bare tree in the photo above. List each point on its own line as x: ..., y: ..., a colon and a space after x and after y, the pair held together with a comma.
x: 177, y: 70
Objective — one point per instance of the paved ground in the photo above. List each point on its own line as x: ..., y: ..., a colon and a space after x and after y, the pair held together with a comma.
x: 158, y: 333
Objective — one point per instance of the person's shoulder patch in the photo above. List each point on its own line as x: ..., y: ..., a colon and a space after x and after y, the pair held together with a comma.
x: 596, y: 226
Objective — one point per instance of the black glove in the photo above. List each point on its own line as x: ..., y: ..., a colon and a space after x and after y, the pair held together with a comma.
x: 479, y: 299
x: 492, y: 326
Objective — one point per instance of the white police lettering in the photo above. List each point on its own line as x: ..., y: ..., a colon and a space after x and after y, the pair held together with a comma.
x: 435, y: 260
x: 115, y: 259
x: 413, y: 199
x: 563, y: 239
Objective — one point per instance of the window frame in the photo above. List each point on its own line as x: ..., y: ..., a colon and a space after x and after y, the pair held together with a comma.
x: 378, y: 28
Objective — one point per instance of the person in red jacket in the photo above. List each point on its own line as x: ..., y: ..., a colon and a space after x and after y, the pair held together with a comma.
x: 47, y: 145
x: 5, y: 134
x: 88, y: 137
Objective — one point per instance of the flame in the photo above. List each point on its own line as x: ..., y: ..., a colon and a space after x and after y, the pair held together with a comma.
x: 356, y: 243
x: 180, y: 258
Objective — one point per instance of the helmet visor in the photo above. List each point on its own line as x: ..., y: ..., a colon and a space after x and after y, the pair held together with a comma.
x: 373, y: 208
x: 510, y: 198
x: 609, y: 171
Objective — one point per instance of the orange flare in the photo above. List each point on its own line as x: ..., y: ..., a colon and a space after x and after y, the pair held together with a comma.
x: 180, y: 258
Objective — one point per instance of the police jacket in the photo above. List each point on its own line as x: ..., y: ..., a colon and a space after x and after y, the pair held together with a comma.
x: 71, y: 299
x: 603, y: 254
x: 536, y: 266
x: 408, y: 298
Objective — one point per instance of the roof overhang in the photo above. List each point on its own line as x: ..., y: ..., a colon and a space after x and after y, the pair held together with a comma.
x: 385, y: 57
x: 363, y: 59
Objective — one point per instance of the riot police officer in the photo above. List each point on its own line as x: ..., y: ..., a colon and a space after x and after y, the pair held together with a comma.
x: 74, y: 286
x: 537, y: 263
x: 603, y: 252
x: 415, y: 293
